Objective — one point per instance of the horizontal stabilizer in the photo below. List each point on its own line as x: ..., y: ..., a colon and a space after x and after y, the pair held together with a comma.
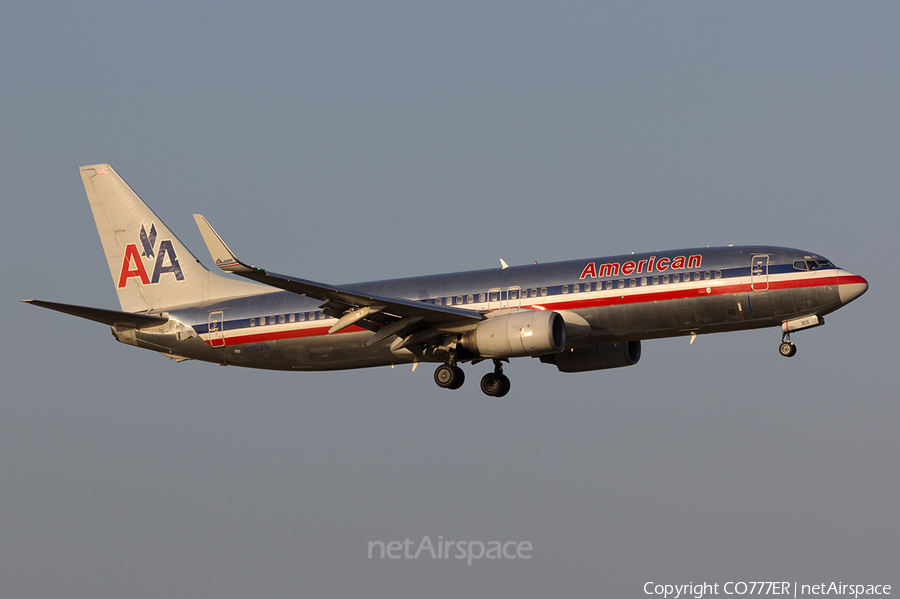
x: 110, y: 317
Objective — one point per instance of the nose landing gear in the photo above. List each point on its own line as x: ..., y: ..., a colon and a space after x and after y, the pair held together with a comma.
x: 787, y: 349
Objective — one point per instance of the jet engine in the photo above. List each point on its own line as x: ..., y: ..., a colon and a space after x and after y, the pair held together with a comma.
x: 596, y: 357
x: 523, y: 333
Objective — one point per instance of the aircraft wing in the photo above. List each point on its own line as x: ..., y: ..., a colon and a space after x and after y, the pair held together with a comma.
x: 385, y: 315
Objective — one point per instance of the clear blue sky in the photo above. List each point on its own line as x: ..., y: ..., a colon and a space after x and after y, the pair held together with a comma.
x: 343, y: 142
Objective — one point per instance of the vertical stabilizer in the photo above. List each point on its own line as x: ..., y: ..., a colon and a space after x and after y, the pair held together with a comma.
x: 150, y: 267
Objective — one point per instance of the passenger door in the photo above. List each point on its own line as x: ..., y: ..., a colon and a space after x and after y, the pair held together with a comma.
x: 759, y: 272
x: 216, y: 329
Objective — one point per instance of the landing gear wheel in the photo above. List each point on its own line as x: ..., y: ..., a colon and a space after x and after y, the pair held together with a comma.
x: 495, y: 384
x: 787, y: 349
x: 449, y: 377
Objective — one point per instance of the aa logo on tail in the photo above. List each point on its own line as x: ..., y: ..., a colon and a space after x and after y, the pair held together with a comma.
x: 133, y: 263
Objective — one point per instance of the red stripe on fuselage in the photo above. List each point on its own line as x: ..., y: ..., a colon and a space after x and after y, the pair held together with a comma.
x: 262, y: 337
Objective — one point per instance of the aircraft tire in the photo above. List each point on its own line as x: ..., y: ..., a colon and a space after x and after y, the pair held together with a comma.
x: 449, y: 377
x: 495, y: 384
x: 787, y: 349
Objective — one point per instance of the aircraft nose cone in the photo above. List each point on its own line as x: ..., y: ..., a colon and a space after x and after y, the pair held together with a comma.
x: 851, y: 286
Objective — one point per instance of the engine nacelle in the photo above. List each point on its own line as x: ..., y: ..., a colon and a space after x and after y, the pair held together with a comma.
x: 525, y: 333
x: 596, y: 357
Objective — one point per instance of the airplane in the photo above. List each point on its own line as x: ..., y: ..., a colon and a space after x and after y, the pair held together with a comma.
x: 578, y: 315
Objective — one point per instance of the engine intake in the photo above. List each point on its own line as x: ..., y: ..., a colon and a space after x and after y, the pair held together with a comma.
x: 525, y: 333
x: 596, y: 357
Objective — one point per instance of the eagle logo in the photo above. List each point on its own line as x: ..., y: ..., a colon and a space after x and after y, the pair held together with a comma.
x: 148, y: 241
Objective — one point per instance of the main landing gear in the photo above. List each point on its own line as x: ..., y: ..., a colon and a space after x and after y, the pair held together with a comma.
x: 787, y: 349
x: 451, y: 376
x: 495, y: 384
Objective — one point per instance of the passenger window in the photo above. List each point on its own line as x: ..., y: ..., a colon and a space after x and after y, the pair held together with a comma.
x: 609, y: 284
x: 281, y: 319
x: 621, y: 284
x: 291, y: 318
x: 656, y: 280
x: 470, y: 299
x: 301, y: 317
x: 262, y: 320
x: 438, y: 302
x: 533, y: 292
x: 481, y: 297
x: 632, y: 283
x: 676, y: 278
x: 458, y: 300
x: 707, y: 275
x: 718, y: 274
x: 643, y: 281
x: 322, y: 316
x: 565, y: 289
x: 543, y: 291
x: 495, y: 297
x: 665, y: 279
x: 696, y: 276
x: 576, y: 288
x: 252, y: 322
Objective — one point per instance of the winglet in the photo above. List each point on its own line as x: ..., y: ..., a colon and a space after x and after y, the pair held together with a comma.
x: 221, y: 254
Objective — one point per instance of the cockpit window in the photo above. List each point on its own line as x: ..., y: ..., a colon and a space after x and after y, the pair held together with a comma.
x: 817, y: 264
x: 813, y: 264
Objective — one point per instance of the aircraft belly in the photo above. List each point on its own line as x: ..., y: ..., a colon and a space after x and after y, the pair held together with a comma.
x: 343, y: 351
x: 705, y: 314
x: 818, y: 300
x: 326, y: 352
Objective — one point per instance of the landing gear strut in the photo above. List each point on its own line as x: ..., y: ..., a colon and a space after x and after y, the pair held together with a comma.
x: 449, y: 376
x: 787, y: 349
x: 495, y: 384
